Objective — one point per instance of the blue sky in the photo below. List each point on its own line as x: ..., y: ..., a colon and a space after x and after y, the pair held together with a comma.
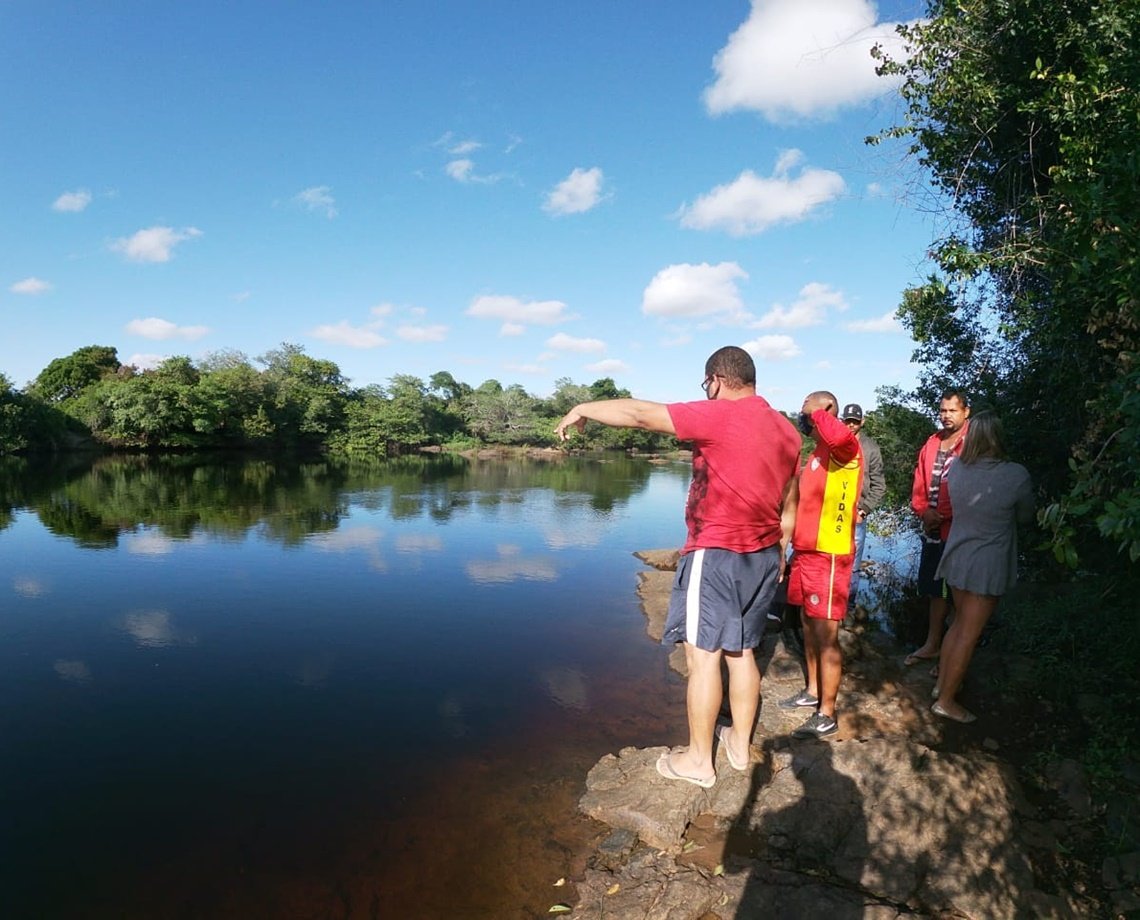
x: 501, y: 189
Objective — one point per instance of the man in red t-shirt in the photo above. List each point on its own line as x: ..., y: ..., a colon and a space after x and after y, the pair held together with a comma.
x: 822, y: 508
x: 745, y: 455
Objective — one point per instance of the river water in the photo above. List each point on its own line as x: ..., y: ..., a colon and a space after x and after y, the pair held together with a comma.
x: 252, y: 688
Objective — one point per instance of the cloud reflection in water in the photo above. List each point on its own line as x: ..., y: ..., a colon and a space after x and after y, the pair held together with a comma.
x: 29, y: 587
x: 149, y: 543
x: 511, y: 566
x: 352, y: 540
x: 419, y: 543
x: 76, y: 672
x: 154, y: 629
x: 315, y: 670
x: 567, y: 687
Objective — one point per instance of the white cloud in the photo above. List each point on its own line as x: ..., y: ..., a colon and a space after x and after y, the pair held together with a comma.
x: 460, y: 170
x: 72, y: 201
x: 608, y: 366
x: 31, y: 286
x: 344, y: 333
x: 463, y: 148
x: 773, y: 347
x: 888, y: 322
x: 751, y: 204
x: 383, y: 309
x: 810, y: 309
x: 694, y: 290
x: 511, y: 329
x: 518, y: 312
x: 578, y: 192
x: 144, y: 361
x: 318, y: 198
x: 160, y: 330
x: 435, y: 333
x: 463, y: 170
x: 802, y: 58
x: 564, y: 342
x: 154, y: 244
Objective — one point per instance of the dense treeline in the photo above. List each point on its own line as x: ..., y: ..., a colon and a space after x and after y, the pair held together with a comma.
x: 1026, y: 117
x: 1026, y: 121
x: 292, y: 401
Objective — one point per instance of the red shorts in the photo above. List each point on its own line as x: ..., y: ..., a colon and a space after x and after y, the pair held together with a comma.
x: 819, y: 584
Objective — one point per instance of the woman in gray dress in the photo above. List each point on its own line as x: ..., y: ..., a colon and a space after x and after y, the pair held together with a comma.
x: 990, y: 497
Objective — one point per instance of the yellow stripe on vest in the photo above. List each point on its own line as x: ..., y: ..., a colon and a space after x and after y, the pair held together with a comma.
x: 837, y: 513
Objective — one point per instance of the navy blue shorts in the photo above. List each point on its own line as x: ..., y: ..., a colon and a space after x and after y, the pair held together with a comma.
x: 928, y: 585
x: 720, y: 598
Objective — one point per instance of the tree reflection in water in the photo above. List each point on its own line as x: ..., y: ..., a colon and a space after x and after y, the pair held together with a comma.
x: 268, y: 687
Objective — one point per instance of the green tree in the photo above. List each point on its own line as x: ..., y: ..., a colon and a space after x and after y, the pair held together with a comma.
x: 65, y: 378
x: 407, y: 410
x: 228, y: 403
x: 567, y: 394
x: 504, y: 415
x: 13, y: 420
x: 307, y: 395
x: 153, y: 409
x: 1026, y: 116
x: 444, y: 385
x: 900, y: 431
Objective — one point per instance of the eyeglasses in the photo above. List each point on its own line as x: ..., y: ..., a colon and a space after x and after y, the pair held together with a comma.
x: 706, y: 383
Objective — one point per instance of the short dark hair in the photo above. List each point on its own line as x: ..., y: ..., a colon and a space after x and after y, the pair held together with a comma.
x: 955, y: 393
x: 984, y: 438
x: 734, y: 364
x: 825, y: 396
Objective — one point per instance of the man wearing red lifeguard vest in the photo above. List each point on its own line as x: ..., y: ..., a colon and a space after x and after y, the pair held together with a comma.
x: 824, y: 510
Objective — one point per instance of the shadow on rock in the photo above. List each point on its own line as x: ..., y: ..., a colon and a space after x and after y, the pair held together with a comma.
x: 801, y: 839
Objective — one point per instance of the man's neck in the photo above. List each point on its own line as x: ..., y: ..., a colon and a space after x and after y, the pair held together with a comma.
x: 951, y: 438
x: 737, y: 393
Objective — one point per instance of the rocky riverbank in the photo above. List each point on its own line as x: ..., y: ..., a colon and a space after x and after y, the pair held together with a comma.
x: 900, y: 813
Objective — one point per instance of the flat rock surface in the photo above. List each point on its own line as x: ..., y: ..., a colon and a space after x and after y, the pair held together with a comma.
x: 880, y: 820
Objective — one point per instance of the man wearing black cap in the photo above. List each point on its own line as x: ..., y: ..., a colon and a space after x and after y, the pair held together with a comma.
x: 872, y: 494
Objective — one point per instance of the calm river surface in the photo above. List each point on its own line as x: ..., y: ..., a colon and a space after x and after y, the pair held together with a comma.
x: 235, y: 688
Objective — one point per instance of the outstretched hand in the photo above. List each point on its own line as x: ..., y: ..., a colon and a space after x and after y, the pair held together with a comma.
x: 572, y: 419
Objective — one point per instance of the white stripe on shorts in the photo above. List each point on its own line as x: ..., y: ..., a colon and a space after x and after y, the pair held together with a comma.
x: 693, y: 598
